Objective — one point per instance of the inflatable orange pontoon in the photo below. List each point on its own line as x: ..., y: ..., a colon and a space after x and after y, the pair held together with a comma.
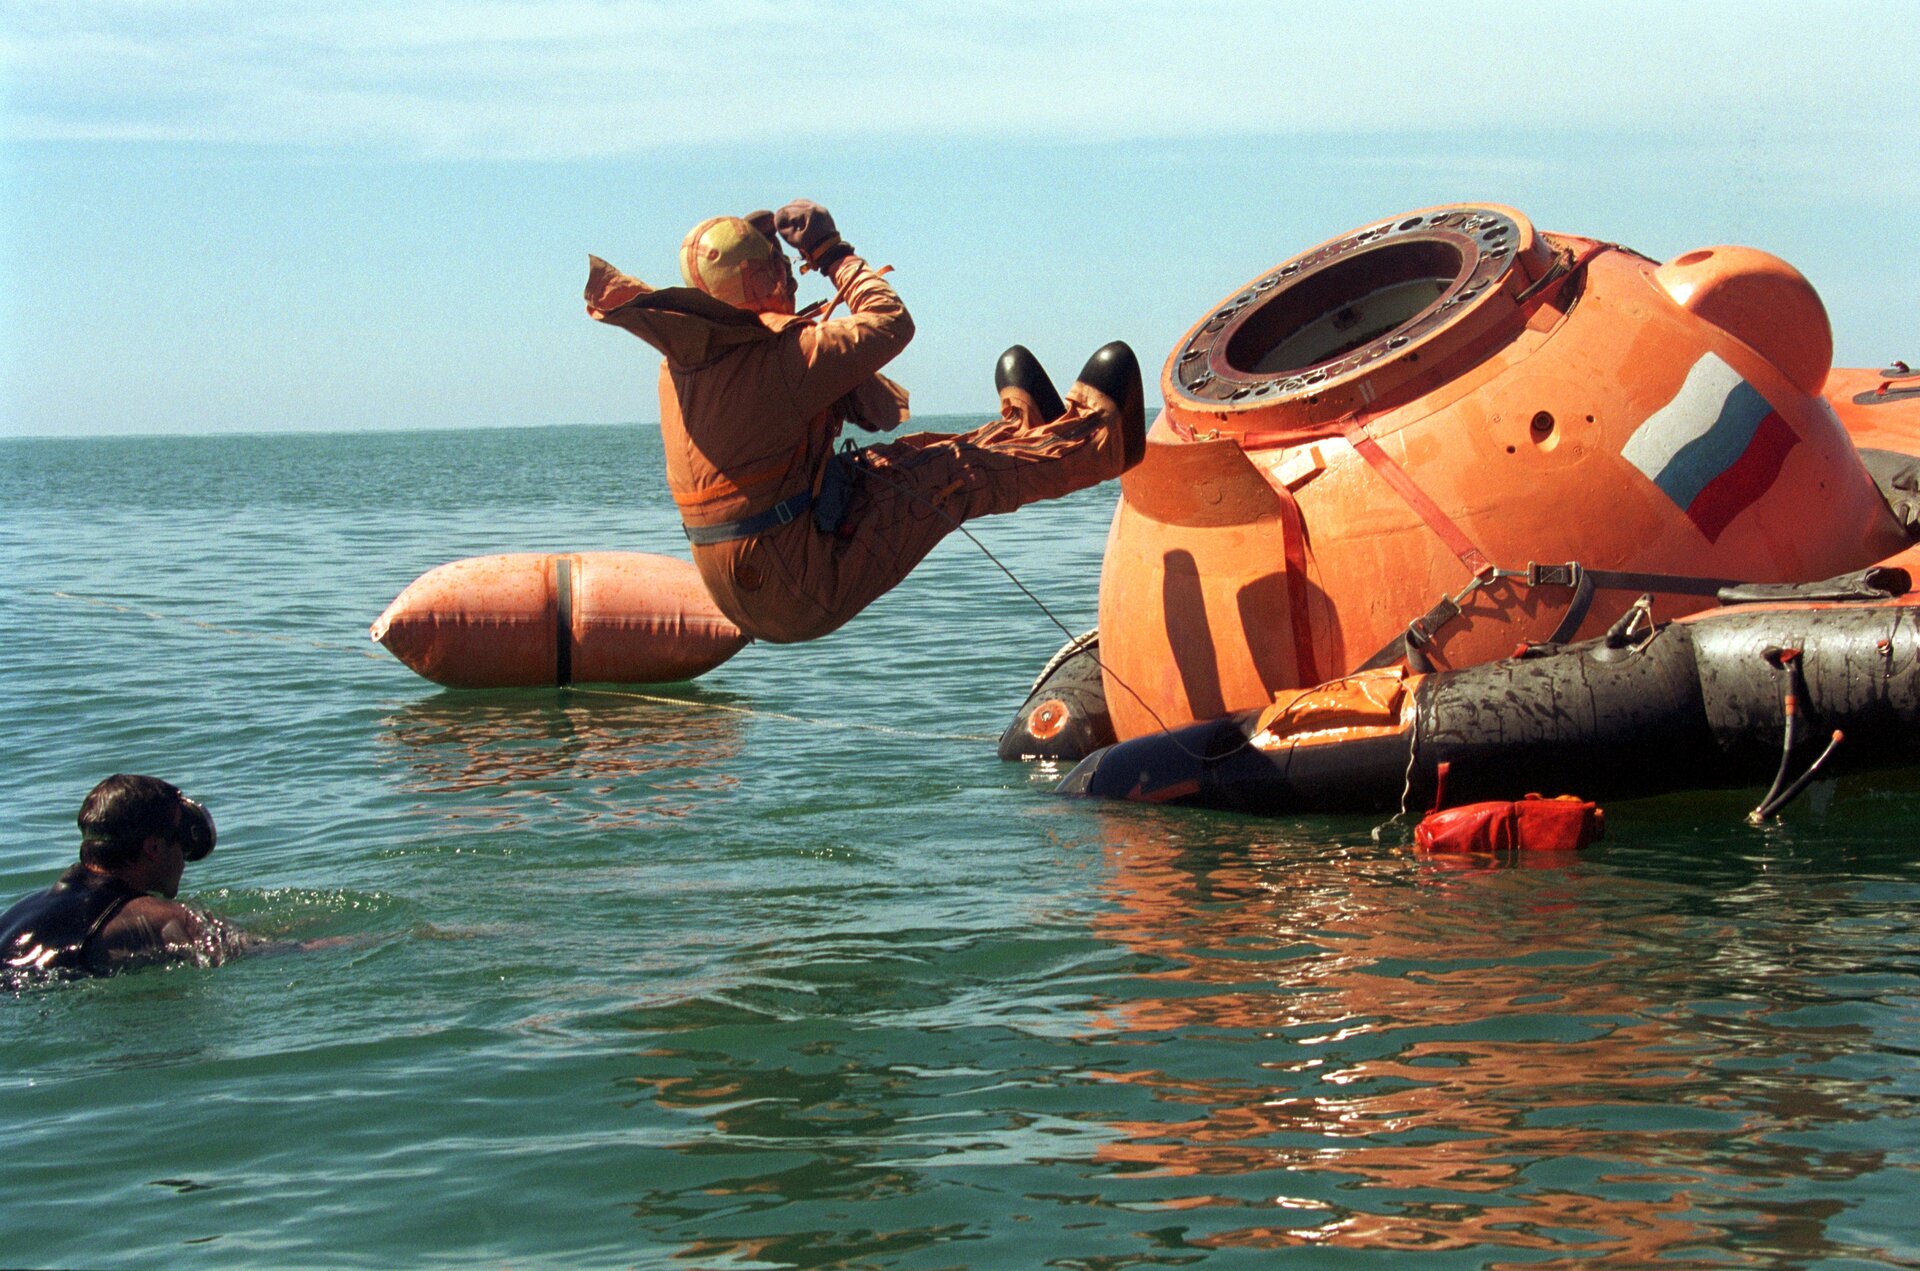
x: 528, y: 619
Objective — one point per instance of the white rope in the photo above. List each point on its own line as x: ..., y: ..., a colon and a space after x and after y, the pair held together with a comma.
x: 694, y: 703
x: 846, y: 724
x: 219, y: 630
x: 1406, y: 788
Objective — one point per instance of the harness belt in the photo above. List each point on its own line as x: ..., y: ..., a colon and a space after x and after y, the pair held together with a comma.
x: 1584, y: 582
x: 773, y: 518
x: 1423, y: 630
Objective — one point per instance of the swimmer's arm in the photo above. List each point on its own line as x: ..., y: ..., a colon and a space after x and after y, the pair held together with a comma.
x: 224, y: 940
x: 149, y: 929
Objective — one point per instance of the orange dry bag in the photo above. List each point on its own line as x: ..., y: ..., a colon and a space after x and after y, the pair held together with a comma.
x: 1532, y: 824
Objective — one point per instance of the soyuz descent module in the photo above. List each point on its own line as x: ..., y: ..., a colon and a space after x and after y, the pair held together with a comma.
x: 1401, y: 478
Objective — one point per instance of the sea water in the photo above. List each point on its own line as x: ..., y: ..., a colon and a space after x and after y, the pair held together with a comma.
x: 785, y: 968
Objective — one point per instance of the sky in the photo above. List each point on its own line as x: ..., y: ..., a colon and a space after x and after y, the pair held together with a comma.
x: 223, y: 216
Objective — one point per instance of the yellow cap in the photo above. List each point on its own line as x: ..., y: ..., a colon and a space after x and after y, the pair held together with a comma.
x: 730, y: 260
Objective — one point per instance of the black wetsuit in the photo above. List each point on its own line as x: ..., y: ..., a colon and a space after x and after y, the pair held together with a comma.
x: 53, y: 931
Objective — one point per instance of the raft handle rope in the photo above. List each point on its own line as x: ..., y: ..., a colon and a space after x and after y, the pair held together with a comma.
x: 1406, y: 780
x: 1063, y: 655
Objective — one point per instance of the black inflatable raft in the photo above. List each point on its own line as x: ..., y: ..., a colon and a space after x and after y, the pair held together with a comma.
x: 1827, y: 674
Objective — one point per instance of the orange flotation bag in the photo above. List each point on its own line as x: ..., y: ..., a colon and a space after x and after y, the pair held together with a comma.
x: 542, y: 618
x: 1532, y: 824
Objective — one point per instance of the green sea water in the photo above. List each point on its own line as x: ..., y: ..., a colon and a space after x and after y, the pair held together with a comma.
x: 784, y: 968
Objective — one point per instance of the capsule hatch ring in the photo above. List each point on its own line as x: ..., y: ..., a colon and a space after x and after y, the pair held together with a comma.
x: 1349, y: 306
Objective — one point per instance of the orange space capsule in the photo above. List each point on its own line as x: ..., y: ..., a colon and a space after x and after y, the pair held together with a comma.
x: 542, y: 618
x: 1444, y: 434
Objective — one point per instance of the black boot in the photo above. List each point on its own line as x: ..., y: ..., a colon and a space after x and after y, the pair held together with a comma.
x: 1020, y: 369
x: 1115, y: 371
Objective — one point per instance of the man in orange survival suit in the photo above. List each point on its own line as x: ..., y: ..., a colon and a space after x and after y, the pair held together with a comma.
x: 792, y: 539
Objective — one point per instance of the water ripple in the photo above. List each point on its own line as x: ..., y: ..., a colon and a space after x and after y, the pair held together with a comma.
x: 706, y: 977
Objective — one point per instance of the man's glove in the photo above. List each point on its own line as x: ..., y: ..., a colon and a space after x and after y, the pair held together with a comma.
x: 763, y: 222
x: 809, y: 228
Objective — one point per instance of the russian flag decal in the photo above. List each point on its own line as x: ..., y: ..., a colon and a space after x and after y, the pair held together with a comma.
x: 1715, y: 448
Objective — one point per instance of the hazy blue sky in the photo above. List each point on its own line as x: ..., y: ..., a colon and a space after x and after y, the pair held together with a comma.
x: 224, y: 215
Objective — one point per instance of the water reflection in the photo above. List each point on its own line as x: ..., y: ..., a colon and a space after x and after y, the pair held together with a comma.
x: 1192, y: 1044
x: 1435, y: 1059
x: 609, y: 757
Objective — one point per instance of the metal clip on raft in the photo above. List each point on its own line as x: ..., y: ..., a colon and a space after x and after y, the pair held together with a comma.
x: 1637, y: 620
x: 1572, y: 575
x: 1425, y: 629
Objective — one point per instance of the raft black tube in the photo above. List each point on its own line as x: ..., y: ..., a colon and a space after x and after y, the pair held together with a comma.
x: 1692, y: 705
x: 1065, y: 716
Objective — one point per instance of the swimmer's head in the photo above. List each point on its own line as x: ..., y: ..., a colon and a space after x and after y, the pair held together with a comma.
x: 124, y: 811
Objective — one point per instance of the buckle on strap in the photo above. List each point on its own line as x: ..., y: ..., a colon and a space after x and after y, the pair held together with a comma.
x: 1425, y: 629
x: 1567, y: 575
x: 781, y: 513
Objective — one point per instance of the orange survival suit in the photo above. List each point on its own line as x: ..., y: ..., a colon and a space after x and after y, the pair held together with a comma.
x: 750, y: 408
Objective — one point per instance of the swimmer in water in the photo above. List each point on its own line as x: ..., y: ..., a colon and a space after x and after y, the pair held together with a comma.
x: 115, y: 910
